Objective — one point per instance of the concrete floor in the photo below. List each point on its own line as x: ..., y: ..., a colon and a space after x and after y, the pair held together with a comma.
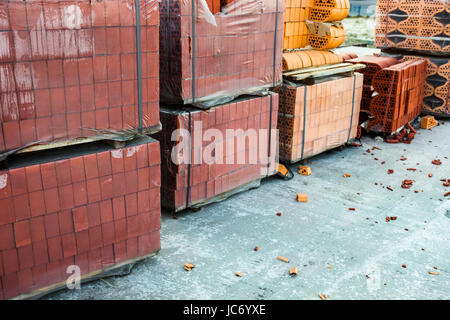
x: 339, y: 253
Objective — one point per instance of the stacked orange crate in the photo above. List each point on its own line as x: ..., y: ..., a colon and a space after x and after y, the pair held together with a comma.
x: 68, y: 69
x: 316, y: 118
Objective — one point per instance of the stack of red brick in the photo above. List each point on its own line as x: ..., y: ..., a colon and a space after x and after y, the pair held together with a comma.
x: 216, y: 167
x: 399, y: 92
x: 235, y: 51
x: 68, y: 67
x: 93, y: 210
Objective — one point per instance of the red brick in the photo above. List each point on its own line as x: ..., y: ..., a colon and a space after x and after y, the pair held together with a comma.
x: 149, y: 243
x: 80, y: 219
x: 51, y: 225
x: 120, y: 252
x: 66, y: 224
x: 90, y: 165
x: 40, y: 253
x: 104, y: 164
x: 95, y: 260
x: 133, y: 226
x: 63, y: 172
x: 25, y: 278
x: 93, y: 214
x: 18, y: 181
x: 155, y: 176
x: 108, y: 233
x: 107, y: 256
x: 106, y: 212
x: 119, y: 208
x: 131, y: 181
x: 82, y: 261
x: 7, y: 215
x: 82, y: 239
x: 69, y: 245
x: 66, y: 197
x: 7, y: 237
x: 25, y: 255
x: 5, y: 185
x: 22, y: 233
x: 48, y: 172
x: 10, y: 286
x: 10, y: 261
x: 55, y: 251
x: 37, y: 203
x: 143, y: 201
x: 1, y: 269
x: 132, y: 248
x: 77, y: 169
x: 79, y: 194
x: 51, y: 200
x: 119, y: 185
x: 55, y: 274
x: 117, y: 161
x: 95, y: 237
x: 11, y: 134
x: 34, y: 178
x: 37, y: 229
x: 143, y: 179
x: 93, y: 190
x: 131, y: 204
x: 22, y: 207
x: 106, y: 187
x: 40, y: 276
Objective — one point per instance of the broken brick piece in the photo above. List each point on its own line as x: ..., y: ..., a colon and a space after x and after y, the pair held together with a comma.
x: 390, y: 171
x: 301, y: 197
x: 293, y: 271
x: 436, y: 162
x: 304, y: 171
x: 352, y: 209
x: 283, y: 259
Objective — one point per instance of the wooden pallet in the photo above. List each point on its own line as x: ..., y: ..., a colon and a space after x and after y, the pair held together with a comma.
x: 119, y: 269
x: 117, y: 140
x: 312, y: 74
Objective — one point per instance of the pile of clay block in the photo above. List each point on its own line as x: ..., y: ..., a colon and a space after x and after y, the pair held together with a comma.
x: 72, y: 75
x: 207, y: 56
x: 316, y: 118
x: 211, y: 169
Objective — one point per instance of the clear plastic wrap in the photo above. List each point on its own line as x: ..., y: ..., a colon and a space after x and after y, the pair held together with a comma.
x: 413, y: 24
x: 315, y: 118
x: 69, y: 69
x: 77, y: 213
x: 219, y: 56
x: 202, y: 180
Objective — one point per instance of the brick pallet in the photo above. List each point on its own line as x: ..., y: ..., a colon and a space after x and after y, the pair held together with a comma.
x: 88, y: 206
x: 416, y: 25
x: 315, y: 118
x: 226, y: 54
x: 69, y: 69
x: 193, y: 185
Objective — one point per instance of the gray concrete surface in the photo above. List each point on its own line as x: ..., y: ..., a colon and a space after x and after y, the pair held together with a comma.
x: 339, y: 253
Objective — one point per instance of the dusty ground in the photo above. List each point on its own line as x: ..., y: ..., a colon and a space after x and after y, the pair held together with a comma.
x: 340, y: 253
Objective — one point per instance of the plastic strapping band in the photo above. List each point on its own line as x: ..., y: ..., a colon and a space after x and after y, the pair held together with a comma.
x: 353, y: 109
x: 270, y: 135
x: 139, y: 63
x: 304, y: 123
x: 193, y: 50
x: 275, y: 48
x: 284, y: 122
x: 188, y: 190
